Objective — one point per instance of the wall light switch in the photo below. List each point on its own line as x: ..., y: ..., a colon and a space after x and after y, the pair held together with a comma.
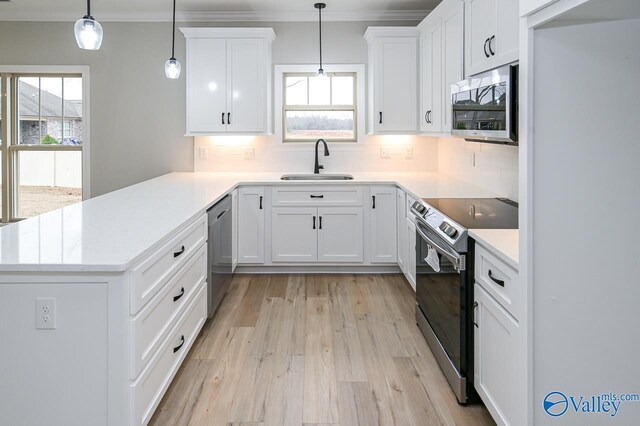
x: 249, y: 153
x: 385, y: 153
x: 408, y: 153
x: 45, y: 313
x: 203, y: 152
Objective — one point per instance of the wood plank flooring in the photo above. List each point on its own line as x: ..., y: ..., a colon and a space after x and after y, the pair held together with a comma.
x: 313, y: 350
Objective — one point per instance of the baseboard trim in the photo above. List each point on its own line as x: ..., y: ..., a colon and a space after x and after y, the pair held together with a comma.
x: 317, y: 269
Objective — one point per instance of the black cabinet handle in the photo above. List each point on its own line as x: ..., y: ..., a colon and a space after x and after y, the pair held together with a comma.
x: 380, y: 122
x: 316, y: 196
x: 223, y: 118
x: 314, y: 222
x: 493, y: 37
x: 426, y: 115
x: 179, y: 252
x: 495, y: 280
x: 228, y: 118
x: 261, y: 202
x: 485, y: 48
x: 177, y: 348
x: 373, y: 206
x: 429, y: 116
x: 475, y: 306
x: 320, y: 222
x: 176, y: 298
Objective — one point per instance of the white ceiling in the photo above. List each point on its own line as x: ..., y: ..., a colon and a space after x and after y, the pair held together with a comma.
x: 215, y: 10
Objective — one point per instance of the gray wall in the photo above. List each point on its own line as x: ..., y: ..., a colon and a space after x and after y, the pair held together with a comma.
x: 137, y: 115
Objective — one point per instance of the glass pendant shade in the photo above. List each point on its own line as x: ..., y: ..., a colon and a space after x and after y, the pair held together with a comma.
x: 88, y: 33
x: 172, y: 68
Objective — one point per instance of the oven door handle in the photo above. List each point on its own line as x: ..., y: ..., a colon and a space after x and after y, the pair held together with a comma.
x: 455, y: 258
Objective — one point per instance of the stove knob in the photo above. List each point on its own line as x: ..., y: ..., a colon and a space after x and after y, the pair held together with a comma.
x: 419, y: 207
x: 449, y: 230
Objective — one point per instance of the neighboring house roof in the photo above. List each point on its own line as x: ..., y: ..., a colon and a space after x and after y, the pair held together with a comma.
x: 50, y: 104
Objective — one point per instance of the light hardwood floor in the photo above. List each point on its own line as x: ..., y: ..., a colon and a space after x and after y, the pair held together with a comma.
x: 313, y: 350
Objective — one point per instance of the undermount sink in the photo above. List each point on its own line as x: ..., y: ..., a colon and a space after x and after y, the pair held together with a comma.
x: 316, y: 177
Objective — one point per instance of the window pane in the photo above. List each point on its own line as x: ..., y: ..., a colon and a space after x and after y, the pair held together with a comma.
x: 319, y: 91
x: 342, y: 90
x: 311, y: 125
x: 48, y: 180
x: 29, y: 110
x: 296, y: 90
x: 50, y: 110
x: 72, y: 111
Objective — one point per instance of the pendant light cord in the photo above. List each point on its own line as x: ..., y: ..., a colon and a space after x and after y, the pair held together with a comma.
x: 173, y: 40
x: 320, y: 32
x: 88, y: 7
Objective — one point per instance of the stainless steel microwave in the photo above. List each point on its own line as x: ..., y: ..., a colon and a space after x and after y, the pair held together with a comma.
x: 485, y: 106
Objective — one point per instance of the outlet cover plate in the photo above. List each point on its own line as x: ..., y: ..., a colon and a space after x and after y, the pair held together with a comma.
x: 45, y: 313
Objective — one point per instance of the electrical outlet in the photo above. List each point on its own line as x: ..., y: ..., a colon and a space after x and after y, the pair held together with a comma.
x: 45, y: 313
x: 204, y: 152
x: 408, y: 153
x: 385, y: 153
x: 249, y: 153
x: 473, y: 159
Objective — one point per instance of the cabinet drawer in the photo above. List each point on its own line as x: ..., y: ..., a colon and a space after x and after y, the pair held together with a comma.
x: 498, y: 279
x: 151, y: 325
x: 147, y: 391
x: 148, y: 277
x: 316, y: 196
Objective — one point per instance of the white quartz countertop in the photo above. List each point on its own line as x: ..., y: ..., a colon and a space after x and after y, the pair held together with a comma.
x: 114, y: 231
x: 504, y: 243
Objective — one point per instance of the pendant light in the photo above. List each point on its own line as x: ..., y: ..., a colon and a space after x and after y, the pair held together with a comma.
x: 320, y: 6
x: 88, y: 31
x: 172, y: 67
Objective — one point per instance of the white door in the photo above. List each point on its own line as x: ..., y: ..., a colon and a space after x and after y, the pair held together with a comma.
x: 505, y: 44
x: 452, y: 54
x: 395, y: 88
x: 402, y: 233
x: 246, y: 82
x: 251, y: 205
x: 410, y: 273
x: 496, y: 357
x: 382, y: 209
x: 294, y: 234
x: 234, y: 229
x: 481, y: 24
x: 340, y: 234
x: 206, y: 85
x: 432, y: 77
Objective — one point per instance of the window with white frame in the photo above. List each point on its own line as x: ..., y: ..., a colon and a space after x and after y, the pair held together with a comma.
x: 316, y: 107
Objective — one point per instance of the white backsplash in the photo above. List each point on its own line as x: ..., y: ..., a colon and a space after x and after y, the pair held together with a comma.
x: 263, y: 154
x: 490, y: 166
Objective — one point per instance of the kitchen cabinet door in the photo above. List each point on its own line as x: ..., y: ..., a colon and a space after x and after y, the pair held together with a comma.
x: 383, y: 238
x: 340, y: 234
x: 294, y: 234
x: 506, y: 43
x: 234, y: 230
x: 393, y: 70
x: 431, y: 67
x: 206, y: 85
x: 402, y: 234
x: 452, y: 55
x: 410, y: 273
x: 251, y: 208
x: 496, y: 358
x: 247, y: 79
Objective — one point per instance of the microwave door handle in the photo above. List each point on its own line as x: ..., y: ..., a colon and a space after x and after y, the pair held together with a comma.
x: 454, y: 258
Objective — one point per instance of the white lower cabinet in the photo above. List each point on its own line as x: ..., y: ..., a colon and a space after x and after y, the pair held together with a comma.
x: 251, y: 208
x: 496, y: 358
x: 324, y: 234
x: 402, y: 233
x: 410, y: 272
x: 383, y: 231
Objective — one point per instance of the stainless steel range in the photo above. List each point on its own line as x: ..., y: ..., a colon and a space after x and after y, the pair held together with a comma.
x: 444, y: 278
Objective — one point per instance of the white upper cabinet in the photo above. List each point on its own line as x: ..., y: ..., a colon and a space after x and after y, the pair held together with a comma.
x: 441, y: 64
x: 393, y: 80
x: 491, y: 34
x: 228, y: 80
x: 382, y: 234
x: 527, y: 7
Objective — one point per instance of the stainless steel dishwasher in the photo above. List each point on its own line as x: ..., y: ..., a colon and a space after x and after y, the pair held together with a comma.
x: 220, y: 266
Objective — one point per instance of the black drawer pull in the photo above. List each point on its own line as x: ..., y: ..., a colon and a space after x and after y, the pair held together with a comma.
x: 380, y: 122
x: 179, y: 252
x: 261, y: 202
x: 228, y: 118
x: 314, y: 222
x: 223, y: 118
x: 373, y: 206
x: 495, y: 280
x: 320, y: 222
x: 316, y: 196
x: 475, y: 306
x: 176, y: 298
x: 177, y: 348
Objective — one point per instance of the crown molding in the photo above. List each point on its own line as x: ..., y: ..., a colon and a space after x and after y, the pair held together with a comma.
x: 253, y: 16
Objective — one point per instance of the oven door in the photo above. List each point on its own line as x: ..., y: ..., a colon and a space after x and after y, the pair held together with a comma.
x: 442, y: 298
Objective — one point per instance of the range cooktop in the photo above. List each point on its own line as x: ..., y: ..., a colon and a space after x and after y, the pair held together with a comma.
x: 478, y: 213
